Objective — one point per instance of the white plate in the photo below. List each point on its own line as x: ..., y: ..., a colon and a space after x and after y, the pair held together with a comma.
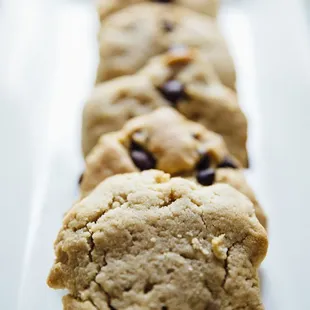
x: 48, y: 63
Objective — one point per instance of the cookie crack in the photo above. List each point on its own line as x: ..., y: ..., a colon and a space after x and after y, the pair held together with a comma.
x: 226, y: 265
x: 91, y: 244
x: 109, y: 298
x: 100, y: 214
x: 89, y: 298
x: 203, y: 220
x: 90, y: 240
x: 85, y: 300
x: 172, y: 198
x: 93, y: 304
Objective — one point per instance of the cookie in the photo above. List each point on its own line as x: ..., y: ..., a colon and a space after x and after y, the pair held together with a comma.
x: 130, y: 37
x: 107, y: 7
x: 148, y: 241
x: 182, y: 78
x: 166, y: 140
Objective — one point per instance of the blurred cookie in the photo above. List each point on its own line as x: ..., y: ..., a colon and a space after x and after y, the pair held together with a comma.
x: 209, y: 7
x: 130, y: 37
x: 167, y: 141
x: 182, y: 78
x: 148, y: 241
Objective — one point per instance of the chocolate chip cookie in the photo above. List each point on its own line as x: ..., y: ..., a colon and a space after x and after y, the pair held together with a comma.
x: 167, y: 141
x: 182, y: 78
x: 209, y: 7
x: 148, y: 241
x: 130, y: 37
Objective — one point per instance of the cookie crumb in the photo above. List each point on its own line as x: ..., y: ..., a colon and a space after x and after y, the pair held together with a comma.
x: 218, y: 247
x: 116, y: 204
x: 198, y: 246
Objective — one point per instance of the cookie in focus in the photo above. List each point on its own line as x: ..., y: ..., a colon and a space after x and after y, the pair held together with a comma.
x: 148, y: 241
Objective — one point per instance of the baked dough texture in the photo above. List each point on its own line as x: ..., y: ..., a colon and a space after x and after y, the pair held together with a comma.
x: 171, y: 143
x: 182, y: 78
x: 132, y: 36
x: 149, y: 241
x: 107, y: 7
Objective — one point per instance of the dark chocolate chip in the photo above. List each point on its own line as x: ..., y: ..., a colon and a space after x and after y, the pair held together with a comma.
x: 204, y: 162
x: 227, y: 163
x: 167, y: 26
x: 81, y: 178
x: 206, y: 177
x: 142, y: 158
x: 135, y: 146
x: 173, y: 91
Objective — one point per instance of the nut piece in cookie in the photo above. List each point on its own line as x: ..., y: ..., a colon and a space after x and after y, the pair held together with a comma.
x: 132, y: 36
x: 166, y: 140
x: 182, y: 78
x: 148, y: 241
x: 107, y: 7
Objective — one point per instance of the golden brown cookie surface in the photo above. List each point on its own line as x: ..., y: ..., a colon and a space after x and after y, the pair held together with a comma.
x: 148, y: 241
x: 182, y: 78
x: 166, y: 140
x: 107, y: 7
x: 129, y: 38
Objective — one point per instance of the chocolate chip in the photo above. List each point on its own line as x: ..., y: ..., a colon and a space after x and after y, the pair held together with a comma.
x: 204, y: 162
x: 142, y: 158
x: 167, y: 26
x: 227, y: 163
x: 206, y: 177
x: 173, y: 91
x: 81, y: 178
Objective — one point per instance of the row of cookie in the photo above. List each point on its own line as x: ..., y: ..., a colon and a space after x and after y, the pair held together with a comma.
x: 134, y: 34
x: 148, y: 241
x: 183, y: 78
x: 195, y: 91
x: 167, y: 141
x: 144, y: 240
x: 208, y: 7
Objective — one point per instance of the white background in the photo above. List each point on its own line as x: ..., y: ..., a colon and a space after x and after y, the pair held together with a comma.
x: 47, y: 64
